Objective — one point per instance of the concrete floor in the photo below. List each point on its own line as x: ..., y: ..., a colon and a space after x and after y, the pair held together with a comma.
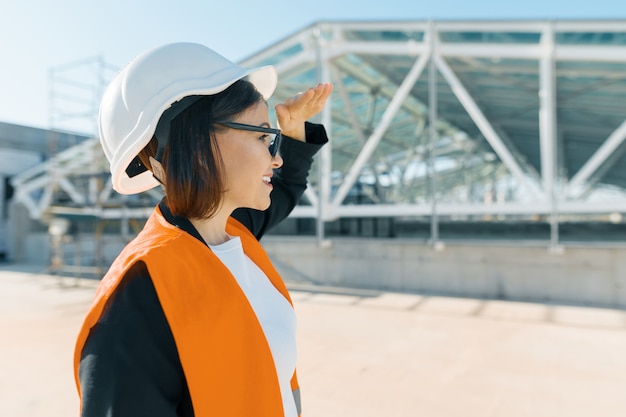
x: 363, y: 354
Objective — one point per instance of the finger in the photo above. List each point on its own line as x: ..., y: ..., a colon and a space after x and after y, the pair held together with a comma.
x: 295, y: 101
x: 305, y: 96
x: 318, y: 90
x: 322, y: 92
x: 327, y: 90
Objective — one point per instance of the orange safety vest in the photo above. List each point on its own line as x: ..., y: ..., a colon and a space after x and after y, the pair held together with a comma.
x: 225, y: 356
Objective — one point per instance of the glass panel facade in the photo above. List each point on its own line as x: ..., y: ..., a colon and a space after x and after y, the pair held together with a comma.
x: 384, y: 35
x: 591, y: 38
x: 490, y: 37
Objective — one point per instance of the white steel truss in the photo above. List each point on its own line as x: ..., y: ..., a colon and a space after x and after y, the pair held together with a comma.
x: 544, y: 195
x: 364, y: 65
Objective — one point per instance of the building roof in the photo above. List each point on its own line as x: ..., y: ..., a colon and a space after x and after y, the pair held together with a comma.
x: 524, y: 109
x: 22, y: 147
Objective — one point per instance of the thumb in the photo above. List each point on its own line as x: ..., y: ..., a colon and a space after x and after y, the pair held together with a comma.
x: 282, y: 113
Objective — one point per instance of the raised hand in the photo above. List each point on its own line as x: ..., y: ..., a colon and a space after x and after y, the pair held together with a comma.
x: 296, y: 110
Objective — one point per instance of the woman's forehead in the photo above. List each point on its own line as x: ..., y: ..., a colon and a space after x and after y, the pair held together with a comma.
x: 257, y: 114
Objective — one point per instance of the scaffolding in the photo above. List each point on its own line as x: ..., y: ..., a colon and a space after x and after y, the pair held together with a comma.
x: 73, y: 177
x: 75, y: 90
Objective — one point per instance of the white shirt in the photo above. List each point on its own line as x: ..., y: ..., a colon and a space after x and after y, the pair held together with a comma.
x: 274, y: 312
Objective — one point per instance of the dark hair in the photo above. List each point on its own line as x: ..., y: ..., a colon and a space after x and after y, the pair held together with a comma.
x: 193, y: 176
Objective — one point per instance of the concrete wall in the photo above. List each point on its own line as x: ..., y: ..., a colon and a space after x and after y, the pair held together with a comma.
x: 524, y: 272
x: 579, y: 275
x: 81, y: 250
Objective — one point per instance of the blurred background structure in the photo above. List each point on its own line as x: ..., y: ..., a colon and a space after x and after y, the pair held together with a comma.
x: 471, y: 158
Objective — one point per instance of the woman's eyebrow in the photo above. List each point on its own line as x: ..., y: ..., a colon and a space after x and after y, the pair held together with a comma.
x: 262, y: 124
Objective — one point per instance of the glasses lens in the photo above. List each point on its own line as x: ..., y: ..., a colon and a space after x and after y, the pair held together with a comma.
x: 274, y: 143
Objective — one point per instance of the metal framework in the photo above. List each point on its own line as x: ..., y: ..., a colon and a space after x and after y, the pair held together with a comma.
x: 437, y: 120
x: 533, y: 112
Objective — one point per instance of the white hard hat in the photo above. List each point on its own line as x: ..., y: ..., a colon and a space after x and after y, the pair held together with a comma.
x: 139, y: 94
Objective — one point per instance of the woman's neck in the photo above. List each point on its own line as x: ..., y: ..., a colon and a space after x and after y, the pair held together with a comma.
x: 212, y: 230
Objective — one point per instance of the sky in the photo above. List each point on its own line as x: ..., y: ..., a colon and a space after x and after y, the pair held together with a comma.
x: 38, y: 38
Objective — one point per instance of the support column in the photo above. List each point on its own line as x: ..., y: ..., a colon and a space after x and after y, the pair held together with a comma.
x: 547, y: 129
x: 325, y: 157
x: 432, y: 133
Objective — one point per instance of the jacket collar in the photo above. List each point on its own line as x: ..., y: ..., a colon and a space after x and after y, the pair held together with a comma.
x: 180, y: 222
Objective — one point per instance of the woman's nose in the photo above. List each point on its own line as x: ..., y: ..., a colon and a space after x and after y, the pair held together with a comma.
x: 277, y: 161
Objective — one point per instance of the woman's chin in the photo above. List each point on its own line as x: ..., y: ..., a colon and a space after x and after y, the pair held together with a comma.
x: 261, y: 206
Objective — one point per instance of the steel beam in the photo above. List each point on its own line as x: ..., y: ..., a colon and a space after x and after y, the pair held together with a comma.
x: 547, y: 128
x: 485, y: 127
x: 600, y: 157
x: 432, y: 133
x: 382, y: 126
x: 325, y: 157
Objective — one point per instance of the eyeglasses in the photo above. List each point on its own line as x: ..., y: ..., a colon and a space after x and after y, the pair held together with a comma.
x: 274, y: 134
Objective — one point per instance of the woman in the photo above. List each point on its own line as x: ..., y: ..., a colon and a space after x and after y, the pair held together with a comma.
x: 191, y: 318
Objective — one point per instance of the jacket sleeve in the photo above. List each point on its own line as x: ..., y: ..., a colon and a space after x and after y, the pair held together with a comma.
x: 289, y: 181
x: 129, y: 365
